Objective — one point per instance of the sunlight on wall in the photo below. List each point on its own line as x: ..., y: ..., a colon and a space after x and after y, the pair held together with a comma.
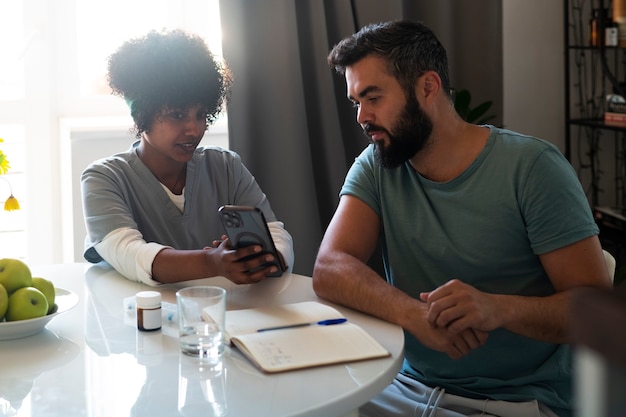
x: 96, y: 41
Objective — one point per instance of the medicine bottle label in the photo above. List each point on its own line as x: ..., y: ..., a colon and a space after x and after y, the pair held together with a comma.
x: 148, y: 319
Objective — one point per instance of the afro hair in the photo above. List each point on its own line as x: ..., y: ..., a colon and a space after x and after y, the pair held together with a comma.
x: 167, y: 69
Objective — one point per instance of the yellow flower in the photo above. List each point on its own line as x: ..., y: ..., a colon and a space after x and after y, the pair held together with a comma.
x: 11, y: 203
x: 4, y: 162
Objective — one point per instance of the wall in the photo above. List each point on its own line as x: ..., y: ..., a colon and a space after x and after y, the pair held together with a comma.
x: 533, y: 62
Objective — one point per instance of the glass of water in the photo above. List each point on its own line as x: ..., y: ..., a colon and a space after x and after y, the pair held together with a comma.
x: 201, y: 388
x: 201, y: 312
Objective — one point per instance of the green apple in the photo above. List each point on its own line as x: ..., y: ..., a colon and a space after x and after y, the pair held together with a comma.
x: 47, y: 288
x: 14, y: 274
x: 4, y: 301
x: 26, y: 303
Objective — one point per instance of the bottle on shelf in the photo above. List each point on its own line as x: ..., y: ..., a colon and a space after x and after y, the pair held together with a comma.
x: 602, y: 29
x: 619, y: 16
x: 611, y: 33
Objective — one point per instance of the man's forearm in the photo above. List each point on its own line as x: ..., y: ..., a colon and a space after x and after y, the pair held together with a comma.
x: 539, y: 318
x: 346, y: 280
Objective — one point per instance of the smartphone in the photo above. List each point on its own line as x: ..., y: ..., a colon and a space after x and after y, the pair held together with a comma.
x: 246, y: 226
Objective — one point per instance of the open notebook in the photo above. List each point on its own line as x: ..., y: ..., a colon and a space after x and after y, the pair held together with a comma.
x: 287, y: 337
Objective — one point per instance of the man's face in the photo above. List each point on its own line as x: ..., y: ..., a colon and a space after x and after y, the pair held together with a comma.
x: 408, y: 135
x: 393, y: 120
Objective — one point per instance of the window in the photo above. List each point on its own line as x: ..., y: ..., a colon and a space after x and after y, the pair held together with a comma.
x: 12, y: 68
x: 13, y: 224
x: 52, y: 84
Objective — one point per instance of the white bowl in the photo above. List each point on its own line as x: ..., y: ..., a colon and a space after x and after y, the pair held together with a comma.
x: 65, y: 301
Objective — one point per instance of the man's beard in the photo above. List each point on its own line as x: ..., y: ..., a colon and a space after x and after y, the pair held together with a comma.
x: 410, y: 135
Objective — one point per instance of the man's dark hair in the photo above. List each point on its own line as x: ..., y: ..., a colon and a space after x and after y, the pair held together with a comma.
x: 410, y: 49
x: 167, y: 69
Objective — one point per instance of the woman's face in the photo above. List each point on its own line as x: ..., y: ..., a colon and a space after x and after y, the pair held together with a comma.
x: 174, y: 134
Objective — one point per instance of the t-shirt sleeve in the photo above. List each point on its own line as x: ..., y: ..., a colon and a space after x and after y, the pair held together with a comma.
x: 561, y: 216
x: 104, y: 207
x: 360, y: 181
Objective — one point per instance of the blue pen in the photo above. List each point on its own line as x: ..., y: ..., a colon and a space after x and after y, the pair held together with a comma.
x: 316, y: 323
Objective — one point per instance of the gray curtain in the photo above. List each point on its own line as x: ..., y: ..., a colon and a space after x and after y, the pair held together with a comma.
x: 289, y: 118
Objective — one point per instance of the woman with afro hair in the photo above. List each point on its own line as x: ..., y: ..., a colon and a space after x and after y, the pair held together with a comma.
x: 152, y: 212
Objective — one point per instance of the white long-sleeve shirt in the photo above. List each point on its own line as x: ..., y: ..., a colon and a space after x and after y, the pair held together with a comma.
x: 126, y: 251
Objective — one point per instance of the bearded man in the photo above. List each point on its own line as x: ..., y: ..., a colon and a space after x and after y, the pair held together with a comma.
x: 485, y: 234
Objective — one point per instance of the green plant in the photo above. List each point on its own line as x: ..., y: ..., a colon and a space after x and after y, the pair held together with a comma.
x: 475, y: 115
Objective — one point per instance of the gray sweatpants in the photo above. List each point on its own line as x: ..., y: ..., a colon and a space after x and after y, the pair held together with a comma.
x: 407, y: 397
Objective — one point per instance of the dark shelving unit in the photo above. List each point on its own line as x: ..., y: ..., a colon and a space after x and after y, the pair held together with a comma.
x: 596, y: 149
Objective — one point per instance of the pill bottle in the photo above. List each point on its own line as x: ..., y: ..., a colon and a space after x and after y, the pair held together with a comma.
x: 148, y: 310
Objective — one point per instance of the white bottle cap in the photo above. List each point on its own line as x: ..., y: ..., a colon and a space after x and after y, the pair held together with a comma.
x: 148, y: 299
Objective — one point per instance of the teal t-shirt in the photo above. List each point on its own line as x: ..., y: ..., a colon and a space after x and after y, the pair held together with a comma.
x: 518, y: 199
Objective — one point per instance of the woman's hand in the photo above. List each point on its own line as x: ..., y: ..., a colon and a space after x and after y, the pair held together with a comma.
x: 237, y: 264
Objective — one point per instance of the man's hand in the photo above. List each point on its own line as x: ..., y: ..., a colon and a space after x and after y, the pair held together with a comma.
x: 459, y: 307
x: 454, y: 345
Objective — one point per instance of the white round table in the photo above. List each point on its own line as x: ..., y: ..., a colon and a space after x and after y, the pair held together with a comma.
x: 92, y: 361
